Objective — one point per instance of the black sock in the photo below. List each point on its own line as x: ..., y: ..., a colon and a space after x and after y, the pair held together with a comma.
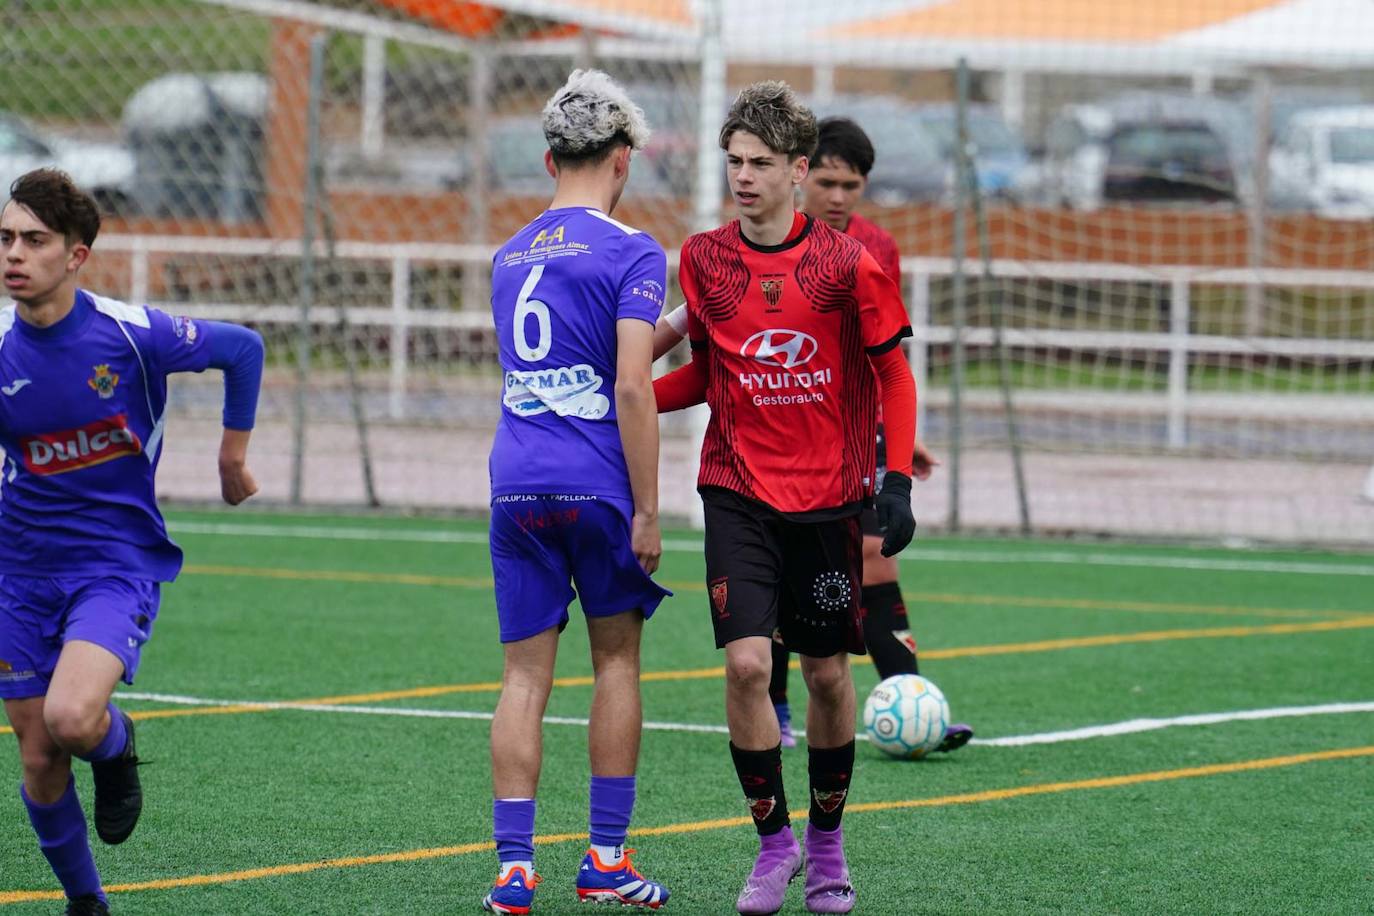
x: 830, y: 769
x: 777, y: 686
x: 760, y: 776
x: 885, y: 615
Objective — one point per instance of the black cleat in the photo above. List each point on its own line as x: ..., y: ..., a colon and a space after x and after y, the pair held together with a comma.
x: 956, y: 736
x: 87, y: 905
x: 118, y: 794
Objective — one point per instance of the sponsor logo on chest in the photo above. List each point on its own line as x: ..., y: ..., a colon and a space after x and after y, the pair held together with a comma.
x: 73, y: 449
x: 781, y: 353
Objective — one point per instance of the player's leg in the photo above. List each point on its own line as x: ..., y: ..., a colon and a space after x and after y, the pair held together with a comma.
x: 108, y: 622
x: 777, y: 692
x: 618, y: 597
x: 887, y: 628
x: 533, y: 591
x: 823, y: 570
x: 743, y: 566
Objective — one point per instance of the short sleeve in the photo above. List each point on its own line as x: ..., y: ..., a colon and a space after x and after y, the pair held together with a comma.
x: 882, y: 316
x: 644, y: 280
x: 179, y: 343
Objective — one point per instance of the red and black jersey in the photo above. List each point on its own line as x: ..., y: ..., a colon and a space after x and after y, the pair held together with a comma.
x: 879, y: 243
x: 788, y: 331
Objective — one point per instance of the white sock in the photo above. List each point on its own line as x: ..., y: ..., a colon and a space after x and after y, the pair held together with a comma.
x: 609, y: 855
x: 506, y: 868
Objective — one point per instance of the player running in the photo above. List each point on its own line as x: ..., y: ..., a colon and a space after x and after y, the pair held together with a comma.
x: 831, y: 191
x: 83, y: 547
x: 574, y: 482
x: 791, y: 325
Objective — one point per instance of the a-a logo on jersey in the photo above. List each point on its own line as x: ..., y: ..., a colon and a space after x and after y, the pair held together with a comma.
x: 771, y: 284
x: 104, y: 381
x: 781, y: 347
x: 5, y: 666
x: 570, y: 391
x: 73, y: 449
x: 546, y: 237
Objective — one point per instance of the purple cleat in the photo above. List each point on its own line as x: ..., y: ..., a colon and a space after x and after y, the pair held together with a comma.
x: 827, y: 875
x: 956, y: 736
x: 780, y: 860
x: 788, y: 739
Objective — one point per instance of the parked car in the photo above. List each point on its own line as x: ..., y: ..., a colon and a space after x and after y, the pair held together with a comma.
x: 103, y: 170
x: 999, y: 155
x: 1324, y: 162
x: 1168, y: 162
x: 1072, y: 171
x: 907, y: 165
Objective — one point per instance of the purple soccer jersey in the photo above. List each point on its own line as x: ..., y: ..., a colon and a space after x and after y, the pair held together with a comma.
x: 82, y: 412
x: 558, y: 288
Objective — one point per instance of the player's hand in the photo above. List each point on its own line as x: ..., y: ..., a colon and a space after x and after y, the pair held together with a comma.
x: 894, y: 513
x: 236, y: 482
x: 646, y: 541
x: 923, y: 461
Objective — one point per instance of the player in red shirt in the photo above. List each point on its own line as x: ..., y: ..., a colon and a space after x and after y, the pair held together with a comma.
x: 792, y: 325
x: 834, y: 185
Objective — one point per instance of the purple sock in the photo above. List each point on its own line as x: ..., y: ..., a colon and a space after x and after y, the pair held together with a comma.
x: 114, y: 742
x: 513, y: 829
x: 613, y: 801
x: 61, y: 829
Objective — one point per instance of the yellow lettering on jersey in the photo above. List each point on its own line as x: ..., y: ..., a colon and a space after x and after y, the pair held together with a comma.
x: 548, y: 238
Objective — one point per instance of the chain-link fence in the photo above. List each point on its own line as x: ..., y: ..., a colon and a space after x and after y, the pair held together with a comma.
x: 1155, y: 242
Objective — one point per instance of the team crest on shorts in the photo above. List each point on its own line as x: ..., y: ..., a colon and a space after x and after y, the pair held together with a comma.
x: 719, y: 593
x: 104, y: 381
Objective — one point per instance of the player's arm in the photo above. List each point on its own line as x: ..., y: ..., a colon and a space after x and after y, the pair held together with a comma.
x: 686, y: 386
x: 637, y: 415
x: 884, y: 325
x: 238, y: 352
x: 670, y: 330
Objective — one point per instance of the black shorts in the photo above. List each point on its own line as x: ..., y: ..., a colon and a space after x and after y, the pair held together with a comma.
x: 768, y: 575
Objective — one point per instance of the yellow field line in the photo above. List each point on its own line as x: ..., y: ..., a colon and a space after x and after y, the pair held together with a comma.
x: 967, y: 798
x: 481, y: 582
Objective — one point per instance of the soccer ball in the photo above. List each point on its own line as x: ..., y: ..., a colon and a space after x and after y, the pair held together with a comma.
x: 905, y: 716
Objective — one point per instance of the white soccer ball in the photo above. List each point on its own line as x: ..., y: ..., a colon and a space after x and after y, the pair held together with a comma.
x: 906, y: 716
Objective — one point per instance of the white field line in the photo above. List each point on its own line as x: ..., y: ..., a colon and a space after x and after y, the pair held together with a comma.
x: 1032, y: 557
x: 1129, y: 727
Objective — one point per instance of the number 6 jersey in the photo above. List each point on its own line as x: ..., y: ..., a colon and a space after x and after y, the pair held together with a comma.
x: 558, y: 287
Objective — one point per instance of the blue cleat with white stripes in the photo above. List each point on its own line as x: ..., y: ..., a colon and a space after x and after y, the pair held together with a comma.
x: 622, y: 883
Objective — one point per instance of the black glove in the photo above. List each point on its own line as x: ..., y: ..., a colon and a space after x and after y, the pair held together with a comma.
x: 894, y: 513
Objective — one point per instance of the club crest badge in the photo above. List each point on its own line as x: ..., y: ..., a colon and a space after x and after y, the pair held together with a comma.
x: 719, y: 594
x: 771, y: 284
x: 104, y: 381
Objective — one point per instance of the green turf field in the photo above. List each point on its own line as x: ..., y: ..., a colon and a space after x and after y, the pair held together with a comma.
x: 377, y: 799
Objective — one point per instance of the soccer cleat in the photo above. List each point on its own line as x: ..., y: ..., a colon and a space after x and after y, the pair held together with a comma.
x: 780, y: 860
x: 623, y: 884
x: 785, y: 724
x: 87, y: 905
x: 118, y: 793
x: 827, y: 874
x: 512, y: 894
x: 956, y: 736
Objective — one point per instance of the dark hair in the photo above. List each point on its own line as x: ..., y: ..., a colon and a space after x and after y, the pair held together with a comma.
x: 592, y: 155
x: 52, y: 196
x: 770, y: 111
x: 842, y: 139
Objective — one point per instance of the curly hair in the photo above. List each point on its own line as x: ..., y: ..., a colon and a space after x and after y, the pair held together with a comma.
x: 590, y: 115
x: 771, y: 111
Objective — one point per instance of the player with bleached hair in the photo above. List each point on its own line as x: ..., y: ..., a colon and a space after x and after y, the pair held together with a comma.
x: 574, y: 483
x: 792, y: 324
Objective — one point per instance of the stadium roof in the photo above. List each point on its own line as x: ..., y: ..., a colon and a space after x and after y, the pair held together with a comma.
x: 1081, y: 36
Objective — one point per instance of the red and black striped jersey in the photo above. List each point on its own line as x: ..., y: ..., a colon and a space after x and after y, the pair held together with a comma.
x: 879, y: 243
x: 787, y: 332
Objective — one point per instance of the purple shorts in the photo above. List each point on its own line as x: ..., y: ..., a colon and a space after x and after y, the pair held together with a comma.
x: 39, y: 615
x: 542, y: 546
